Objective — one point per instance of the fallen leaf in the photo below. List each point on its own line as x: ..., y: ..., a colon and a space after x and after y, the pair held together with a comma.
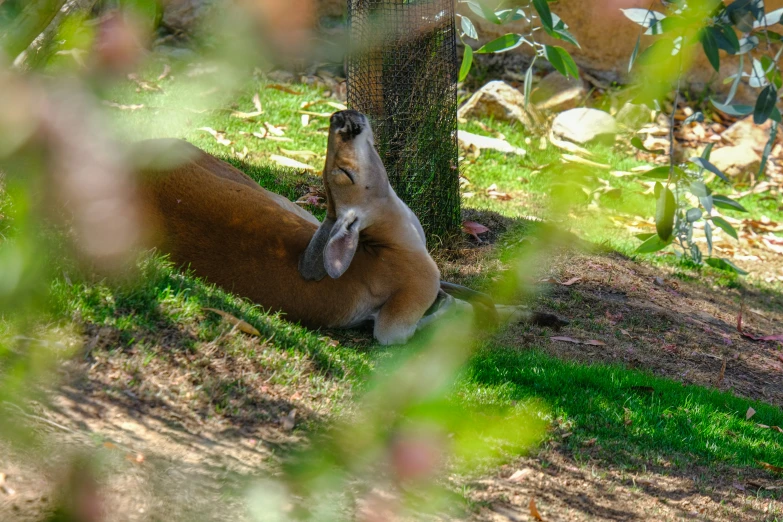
x: 671, y: 348
x: 109, y: 445
x: 241, y: 325
x: 122, y: 107
x: 316, y: 114
x: 520, y: 475
x: 283, y: 88
x: 242, y: 154
x: 625, y: 332
x: 136, y: 458
x: 566, y: 339
x: 220, y: 137
x: 300, y: 153
x: 570, y: 158
x: 289, y: 162
x: 591, y: 342
x: 289, y: 421
x: 572, y: 281
x: 4, y: 485
x: 613, y: 318
x: 165, y: 73
x: 776, y: 469
x: 590, y: 442
x: 474, y: 229
x: 750, y: 413
x: 274, y: 131
x: 534, y: 511
x: 143, y: 85
x: 721, y: 374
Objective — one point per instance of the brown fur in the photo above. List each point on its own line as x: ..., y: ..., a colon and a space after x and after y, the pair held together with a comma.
x: 229, y: 230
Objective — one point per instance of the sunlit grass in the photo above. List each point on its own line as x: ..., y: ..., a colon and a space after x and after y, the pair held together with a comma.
x: 635, y: 418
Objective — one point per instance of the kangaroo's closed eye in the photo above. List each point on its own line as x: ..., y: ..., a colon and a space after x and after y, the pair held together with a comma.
x: 350, y: 175
x: 343, y: 176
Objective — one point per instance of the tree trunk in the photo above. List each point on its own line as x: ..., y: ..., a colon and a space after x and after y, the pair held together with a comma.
x: 32, y: 21
x: 38, y: 51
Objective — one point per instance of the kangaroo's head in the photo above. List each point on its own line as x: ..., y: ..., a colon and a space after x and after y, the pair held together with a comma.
x: 354, y: 173
x: 358, y: 196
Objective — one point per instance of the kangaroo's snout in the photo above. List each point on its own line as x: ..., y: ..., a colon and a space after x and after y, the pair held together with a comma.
x: 348, y: 123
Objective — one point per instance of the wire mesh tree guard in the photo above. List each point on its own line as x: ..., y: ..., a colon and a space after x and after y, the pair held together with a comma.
x: 402, y: 73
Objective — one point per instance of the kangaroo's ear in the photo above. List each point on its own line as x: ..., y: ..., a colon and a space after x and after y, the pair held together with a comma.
x: 342, y: 244
x: 311, y: 264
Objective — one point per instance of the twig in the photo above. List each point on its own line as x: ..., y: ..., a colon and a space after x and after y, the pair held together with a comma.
x: 39, y: 419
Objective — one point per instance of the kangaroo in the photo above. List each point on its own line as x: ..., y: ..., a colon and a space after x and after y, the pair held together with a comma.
x: 367, y: 261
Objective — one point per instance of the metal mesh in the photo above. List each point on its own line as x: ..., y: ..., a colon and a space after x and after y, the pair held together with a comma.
x: 402, y: 73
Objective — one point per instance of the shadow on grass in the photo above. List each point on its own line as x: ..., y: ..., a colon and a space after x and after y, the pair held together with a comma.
x: 154, y: 350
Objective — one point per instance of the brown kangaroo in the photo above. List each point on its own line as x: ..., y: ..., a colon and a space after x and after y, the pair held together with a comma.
x: 368, y: 260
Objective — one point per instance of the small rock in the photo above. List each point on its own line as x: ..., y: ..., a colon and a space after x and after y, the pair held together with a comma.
x: 186, y: 15
x: 281, y: 76
x: 585, y: 125
x: 633, y: 116
x: 500, y: 101
x: 558, y: 93
x: 737, y: 160
x: 475, y: 142
x: 176, y: 53
x: 745, y: 131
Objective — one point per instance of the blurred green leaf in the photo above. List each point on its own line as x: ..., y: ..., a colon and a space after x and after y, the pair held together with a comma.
x: 725, y: 226
x: 468, y: 28
x: 727, y: 203
x: 665, y: 207
x: 693, y: 214
x: 542, y: 8
x: 765, y: 104
x: 500, y: 45
x: 703, y: 163
x: 636, y: 141
x: 561, y: 60
x: 724, y: 264
x: 467, y: 61
x: 653, y: 244
x: 710, y: 45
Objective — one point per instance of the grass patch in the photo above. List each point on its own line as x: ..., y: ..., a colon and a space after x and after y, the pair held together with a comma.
x: 635, y: 418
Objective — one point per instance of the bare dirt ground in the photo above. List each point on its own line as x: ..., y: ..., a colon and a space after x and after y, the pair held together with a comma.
x: 152, y: 431
x: 651, y: 318
x: 564, y: 491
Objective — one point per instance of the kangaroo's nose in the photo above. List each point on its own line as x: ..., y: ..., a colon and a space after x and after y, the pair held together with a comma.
x: 348, y: 123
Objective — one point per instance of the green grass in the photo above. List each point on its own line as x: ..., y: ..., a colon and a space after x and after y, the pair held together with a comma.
x: 637, y: 419
x: 683, y: 423
x: 672, y: 426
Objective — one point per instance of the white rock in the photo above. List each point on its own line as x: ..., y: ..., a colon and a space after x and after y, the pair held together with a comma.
x: 633, y: 116
x: 584, y: 125
x: 476, y: 142
x: 736, y: 160
x: 500, y: 101
x: 558, y: 93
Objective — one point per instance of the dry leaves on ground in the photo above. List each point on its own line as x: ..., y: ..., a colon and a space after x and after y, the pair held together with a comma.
x: 474, y: 229
x: 241, y: 325
x: 591, y: 342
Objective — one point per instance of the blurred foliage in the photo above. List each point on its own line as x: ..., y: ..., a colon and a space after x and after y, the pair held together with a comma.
x: 740, y: 28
